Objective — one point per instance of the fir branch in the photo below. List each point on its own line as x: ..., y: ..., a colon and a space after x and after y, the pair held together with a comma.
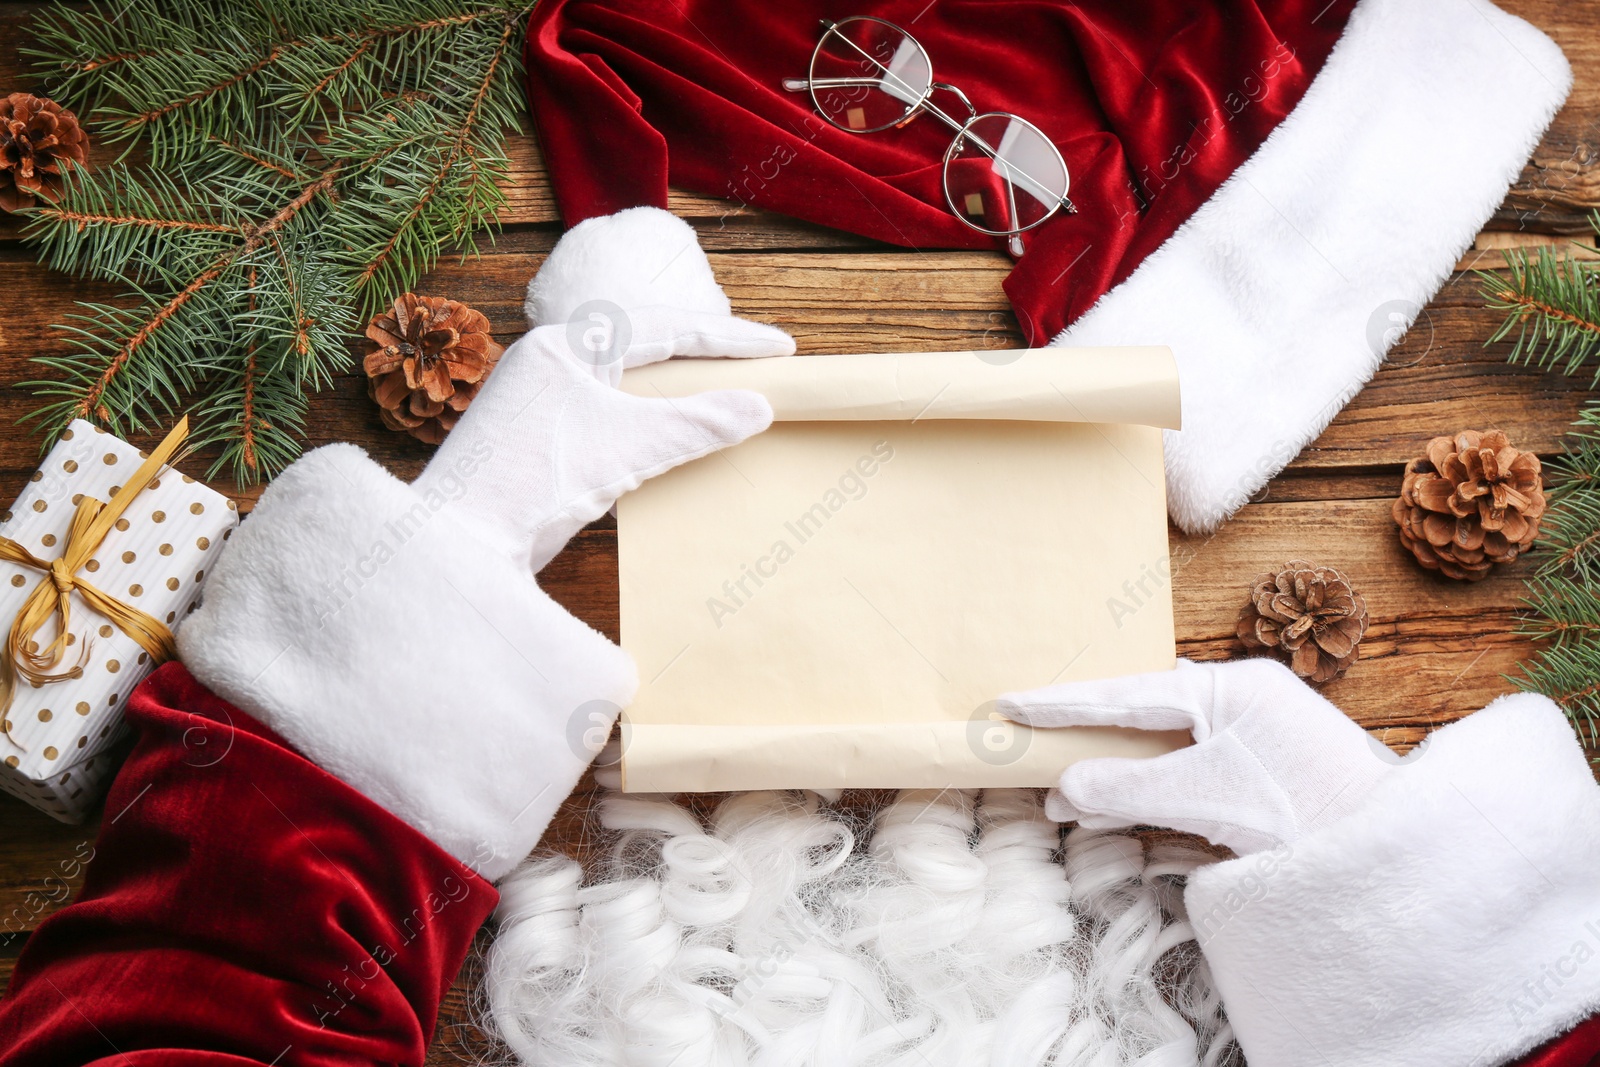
x: 1564, y: 611
x: 134, y: 123
x: 306, y: 160
x: 89, y: 406
x: 1571, y: 535
x: 378, y: 264
x: 83, y: 221
x: 87, y: 66
x: 260, y: 159
x: 247, y: 418
x: 299, y: 327
x: 300, y: 340
x: 1552, y: 309
x: 1552, y: 306
x: 155, y: 377
x: 332, y: 75
x: 283, y: 34
x: 115, y: 225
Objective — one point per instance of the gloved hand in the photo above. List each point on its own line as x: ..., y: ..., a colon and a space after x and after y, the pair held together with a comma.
x: 550, y: 444
x: 395, y: 634
x: 1272, y: 758
x: 1365, y: 885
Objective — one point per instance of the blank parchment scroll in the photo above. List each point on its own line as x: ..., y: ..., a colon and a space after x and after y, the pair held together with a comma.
x: 837, y: 602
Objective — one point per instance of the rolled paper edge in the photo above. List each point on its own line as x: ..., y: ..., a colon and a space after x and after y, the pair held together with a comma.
x: 1132, y: 385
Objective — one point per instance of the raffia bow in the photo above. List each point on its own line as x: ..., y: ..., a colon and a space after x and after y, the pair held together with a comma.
x: 53, y: 595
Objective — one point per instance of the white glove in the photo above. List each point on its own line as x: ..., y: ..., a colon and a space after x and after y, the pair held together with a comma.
x: 328, y: 616
x: 546, y: 448
x: 1272, y: 759
x: 1446, y: 879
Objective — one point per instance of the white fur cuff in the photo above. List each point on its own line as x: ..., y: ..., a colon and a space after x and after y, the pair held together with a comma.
x: 366, y: 623
x: 1453, y: 920
x: 1282, y: 294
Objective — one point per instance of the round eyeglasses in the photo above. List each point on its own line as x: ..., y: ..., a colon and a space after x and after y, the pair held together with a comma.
x: 1002, y: 176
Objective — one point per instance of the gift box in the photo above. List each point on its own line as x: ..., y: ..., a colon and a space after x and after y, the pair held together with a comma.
x: 59, y: 738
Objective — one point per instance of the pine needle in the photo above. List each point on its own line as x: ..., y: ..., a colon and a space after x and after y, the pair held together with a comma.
x: 304, y: 164
x: 1552, y: 307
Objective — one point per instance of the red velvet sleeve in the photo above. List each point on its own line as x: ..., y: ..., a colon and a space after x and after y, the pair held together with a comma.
x: 1578, y: 1047
x: 243, y: 906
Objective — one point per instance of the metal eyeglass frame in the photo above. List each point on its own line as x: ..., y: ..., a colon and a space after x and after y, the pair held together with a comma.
x: 924, y: 102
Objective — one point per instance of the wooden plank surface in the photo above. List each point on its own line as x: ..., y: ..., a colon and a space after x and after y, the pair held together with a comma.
x: 1436, y: 649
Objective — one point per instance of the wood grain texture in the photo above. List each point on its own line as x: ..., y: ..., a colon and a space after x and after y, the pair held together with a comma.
x: 1560, y: 184
x: 1436, y: 650
x: 41, y: 866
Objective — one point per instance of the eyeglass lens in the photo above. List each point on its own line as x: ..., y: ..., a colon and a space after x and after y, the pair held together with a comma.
x: 1002, y: 175
x: 867, y: 75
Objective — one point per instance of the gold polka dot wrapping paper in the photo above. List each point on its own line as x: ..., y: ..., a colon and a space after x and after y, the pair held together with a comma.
x: 54, y: 749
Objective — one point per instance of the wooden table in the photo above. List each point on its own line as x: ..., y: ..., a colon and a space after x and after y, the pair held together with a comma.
x: 1436, y: 649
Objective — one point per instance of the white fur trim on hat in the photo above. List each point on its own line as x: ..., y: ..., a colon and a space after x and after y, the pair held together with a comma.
x: 1282, y: 294
x: 635, y: 258
x: 1452, y: 921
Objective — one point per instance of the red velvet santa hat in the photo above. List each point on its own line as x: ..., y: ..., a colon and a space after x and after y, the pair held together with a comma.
x: 1238, y: 167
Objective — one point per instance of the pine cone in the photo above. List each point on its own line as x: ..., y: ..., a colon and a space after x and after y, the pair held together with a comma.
x: 427, y: 358
x: 1308, y: 613
x: 38, y: 140
x: 1471, y: 502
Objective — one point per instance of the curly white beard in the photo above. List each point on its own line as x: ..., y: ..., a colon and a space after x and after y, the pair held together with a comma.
x: 962, y: 933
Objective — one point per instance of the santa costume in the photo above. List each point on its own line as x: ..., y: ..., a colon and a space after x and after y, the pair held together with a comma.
x: 308, y: 896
